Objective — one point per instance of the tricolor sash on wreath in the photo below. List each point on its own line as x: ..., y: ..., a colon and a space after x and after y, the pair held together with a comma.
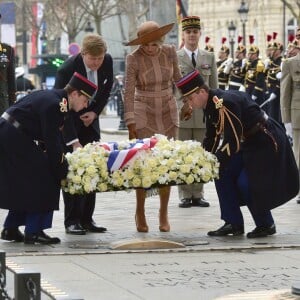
x: 119, y: 158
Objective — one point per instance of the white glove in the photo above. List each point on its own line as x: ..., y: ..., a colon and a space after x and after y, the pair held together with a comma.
x: 254, y: 97
x: 272, y: 97
x: 242, y: 88
x: 228, y: 65
x: 288, y: 129
x: 278, y: 75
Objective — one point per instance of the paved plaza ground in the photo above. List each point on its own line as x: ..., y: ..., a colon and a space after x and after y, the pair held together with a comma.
x: 94, y: 266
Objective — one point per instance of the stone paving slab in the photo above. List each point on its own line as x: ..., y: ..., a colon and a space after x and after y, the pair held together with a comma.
x: 169, y: 275
x: 205, y: 268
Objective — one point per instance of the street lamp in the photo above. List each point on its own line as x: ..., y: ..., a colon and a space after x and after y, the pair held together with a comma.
x: 243, y: 12
x: 89, y: 27
x: 231, y: 34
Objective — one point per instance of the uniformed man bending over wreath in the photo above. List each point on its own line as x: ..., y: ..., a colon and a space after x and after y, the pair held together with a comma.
x: 257, y: 165
x: 32, y: 163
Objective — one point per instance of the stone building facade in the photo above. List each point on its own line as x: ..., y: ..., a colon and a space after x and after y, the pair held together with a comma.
x: 264, y: 17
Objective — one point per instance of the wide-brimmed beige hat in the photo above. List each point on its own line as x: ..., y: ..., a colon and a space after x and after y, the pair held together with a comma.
x: 150, y: 31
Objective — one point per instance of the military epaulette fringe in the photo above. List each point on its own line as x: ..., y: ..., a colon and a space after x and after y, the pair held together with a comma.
x: 260, y: 66
x: 226, y: 114
x: 63, y: 105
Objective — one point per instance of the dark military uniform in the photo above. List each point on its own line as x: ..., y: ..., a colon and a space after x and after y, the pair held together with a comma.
x: 273, y: 87
x: 237, y: 75
x: 30, y: 175
x: 222, y: 74
x: 7, y: 77
x: 255, y: 80
x: 257, y: 165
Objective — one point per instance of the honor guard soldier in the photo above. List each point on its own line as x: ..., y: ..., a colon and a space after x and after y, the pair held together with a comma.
x: 255, y: 76
x: 246, y: 143
x: 192, y: 195
x: 268, y: 52
x: 292, y: 46
x: 7, y: 77
x: 32, y: 162
x: 273, y: 81
x: 224, y: 65
x: 238, y: 71
x: 208, y: 47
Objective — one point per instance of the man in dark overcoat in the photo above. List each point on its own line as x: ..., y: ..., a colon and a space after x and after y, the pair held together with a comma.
x: 257, y: 165
x: 94, y: 63
x: 32, y: 162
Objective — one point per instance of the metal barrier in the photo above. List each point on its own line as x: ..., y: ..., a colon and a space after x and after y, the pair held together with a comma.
x: 27, y: 285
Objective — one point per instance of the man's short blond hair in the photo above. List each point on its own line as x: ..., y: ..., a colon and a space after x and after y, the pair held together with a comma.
x: 93, y: 44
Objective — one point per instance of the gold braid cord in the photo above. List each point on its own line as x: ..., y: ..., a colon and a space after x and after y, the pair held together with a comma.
x: 225, y: 113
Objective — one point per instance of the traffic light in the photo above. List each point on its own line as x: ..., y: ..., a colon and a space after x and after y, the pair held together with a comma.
x: 57, y: 62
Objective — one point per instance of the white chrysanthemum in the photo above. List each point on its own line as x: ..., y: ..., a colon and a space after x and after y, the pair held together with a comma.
x: 169, y: 161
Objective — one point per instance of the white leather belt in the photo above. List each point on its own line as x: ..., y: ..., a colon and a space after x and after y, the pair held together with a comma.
x: 234, y: 83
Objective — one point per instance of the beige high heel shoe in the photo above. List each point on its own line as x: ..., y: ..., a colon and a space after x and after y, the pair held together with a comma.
x: 141, y: 223
x: 164, y: 225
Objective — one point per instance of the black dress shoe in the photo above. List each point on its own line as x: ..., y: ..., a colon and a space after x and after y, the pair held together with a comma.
x: 262, y: 231
x: 40, y: 238
x: 92, y: 227
x: 185, y: 203
x: 227, y: 229
x: 12, y: 234
x: 200, y: 202
x: 75, y: 229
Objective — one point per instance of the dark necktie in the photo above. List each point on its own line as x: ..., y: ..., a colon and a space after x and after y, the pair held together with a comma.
x: 193, y: 59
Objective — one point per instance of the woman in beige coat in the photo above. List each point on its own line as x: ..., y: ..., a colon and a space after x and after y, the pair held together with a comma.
x: 150, y: 106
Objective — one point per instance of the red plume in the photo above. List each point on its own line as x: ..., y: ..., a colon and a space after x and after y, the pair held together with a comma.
x: 274, y: 35
x: 291, y: 38
x: 207, y: 38
x: 223, y: 40
x: 269, y: 37
x: 251, y: 39
x: 240, y: 38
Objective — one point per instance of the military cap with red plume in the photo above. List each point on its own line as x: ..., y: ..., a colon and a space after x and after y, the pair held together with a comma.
x: 291, y: 38
x: 253, y: 49
x: 269, y: 41
x: 240, y: 47
x: 208, y: 47
x: 251, y: 39
x: 293, y: 42
x: 224, y: 48
x: 269, y: 37
x: 275, y: 45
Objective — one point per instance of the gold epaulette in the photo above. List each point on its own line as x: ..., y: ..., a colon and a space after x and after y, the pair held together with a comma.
x: 63, y: 105
x: 260, y: 67
x: 218, y: 102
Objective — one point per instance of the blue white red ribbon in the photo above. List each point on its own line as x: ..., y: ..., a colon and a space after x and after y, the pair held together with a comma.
x: 119, y: 158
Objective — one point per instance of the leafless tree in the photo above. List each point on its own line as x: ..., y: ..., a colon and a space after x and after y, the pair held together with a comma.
x: 69, y: 15
x: 99, y: 10
x: 135, y: 10
x: 294, y: 7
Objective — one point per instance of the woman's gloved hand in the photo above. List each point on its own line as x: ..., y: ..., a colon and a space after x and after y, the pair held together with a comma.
x: 132, y: 131
x: 186, y: 112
